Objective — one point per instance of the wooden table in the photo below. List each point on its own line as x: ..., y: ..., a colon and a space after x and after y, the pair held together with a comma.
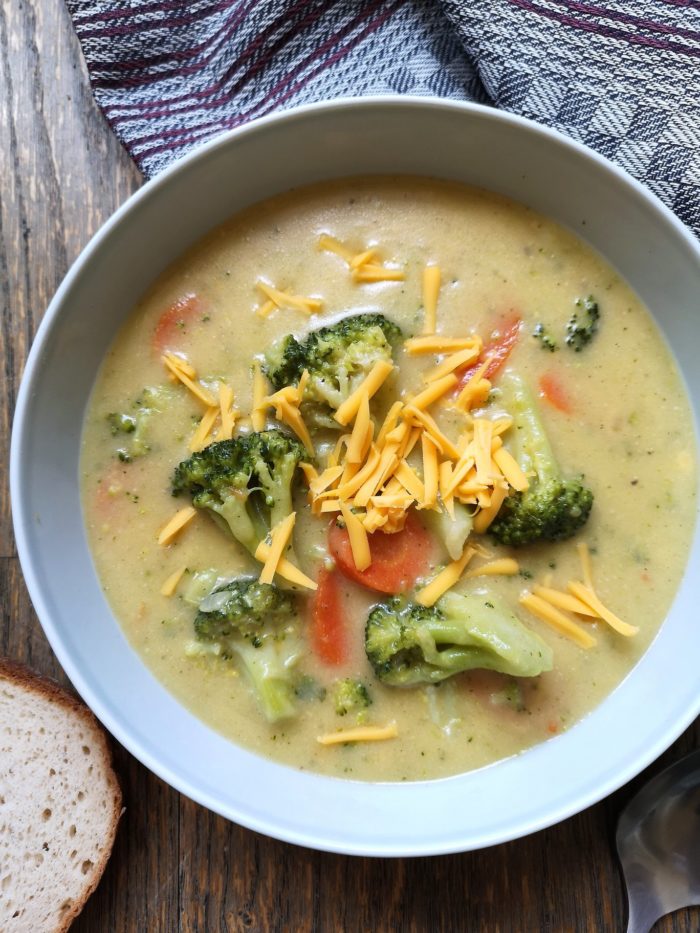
x: 175, y: 865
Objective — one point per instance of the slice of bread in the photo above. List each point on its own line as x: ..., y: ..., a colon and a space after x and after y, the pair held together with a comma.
x: 59, y: 803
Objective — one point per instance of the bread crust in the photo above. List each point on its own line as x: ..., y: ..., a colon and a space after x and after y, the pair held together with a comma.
x: 24, y: 677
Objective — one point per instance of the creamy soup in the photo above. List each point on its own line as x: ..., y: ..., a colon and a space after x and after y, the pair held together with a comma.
x: 613, y: 407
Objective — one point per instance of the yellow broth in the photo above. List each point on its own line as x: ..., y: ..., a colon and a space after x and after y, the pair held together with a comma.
x: 629, y: 432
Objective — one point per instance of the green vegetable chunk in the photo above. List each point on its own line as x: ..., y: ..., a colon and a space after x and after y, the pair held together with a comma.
x: 337, y: 358
x: 409, y: 644
x: 554, y: 507
x: 245, y: 483
x: 350, y: 696
x: 547, y: 342
x: 137, y: 422
x: 255, y: 622
x: 580, y: 330
x: 453, y: 532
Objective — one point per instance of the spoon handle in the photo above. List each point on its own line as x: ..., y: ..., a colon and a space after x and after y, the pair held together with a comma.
x: 642, y: 917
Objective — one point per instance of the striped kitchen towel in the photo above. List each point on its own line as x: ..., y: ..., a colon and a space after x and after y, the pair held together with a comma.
x: 622, y: 77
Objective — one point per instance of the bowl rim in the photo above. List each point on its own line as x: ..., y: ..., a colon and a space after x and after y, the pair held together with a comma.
x: 22, y: 520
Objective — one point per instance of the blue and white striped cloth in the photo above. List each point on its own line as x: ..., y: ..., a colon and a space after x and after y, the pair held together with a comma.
x: 622, y: 78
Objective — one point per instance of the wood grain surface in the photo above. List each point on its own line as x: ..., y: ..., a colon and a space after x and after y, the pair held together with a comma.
x: 177, y: 867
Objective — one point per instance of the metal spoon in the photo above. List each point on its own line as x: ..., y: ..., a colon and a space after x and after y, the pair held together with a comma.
x: 658, y: 841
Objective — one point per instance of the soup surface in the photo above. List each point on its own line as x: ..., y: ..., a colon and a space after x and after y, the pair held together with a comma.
x: 615, y: 411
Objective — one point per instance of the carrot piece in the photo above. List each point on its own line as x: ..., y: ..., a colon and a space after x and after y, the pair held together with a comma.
x: 496, y: 351
x: 552, y: 391
x: 398, y: 560
x: 328, y: 626
x: 171, y: 330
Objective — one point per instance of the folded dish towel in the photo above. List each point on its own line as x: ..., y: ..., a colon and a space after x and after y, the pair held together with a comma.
x: 622, y: 77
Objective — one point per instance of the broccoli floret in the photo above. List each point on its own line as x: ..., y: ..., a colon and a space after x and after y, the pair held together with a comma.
x: 255, y: 623
x: 245, y: 482
x: 337, y: 357
x: 136, y: 422
x: 409, y: 644
x: 241, y: 605
x: 121, y: 423
x: 580, y: 332
x: 350, y: 696
x: 547, y: 342
x: 554, y: 507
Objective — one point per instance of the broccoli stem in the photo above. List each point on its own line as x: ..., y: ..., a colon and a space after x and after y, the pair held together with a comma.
x: 272, y: 682
x: 278, y: 490
x: 494, y: 639
x: 408, y: 644
x: 534, y: 450
x: 234, y: 513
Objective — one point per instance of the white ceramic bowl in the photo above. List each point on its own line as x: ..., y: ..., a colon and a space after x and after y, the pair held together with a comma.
x: 468, y: 143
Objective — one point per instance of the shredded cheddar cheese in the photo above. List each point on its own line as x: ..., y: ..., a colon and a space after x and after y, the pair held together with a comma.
x: 431, y: 290
x: 482, y: 450
x: 170, y: 585
x: 266, y: 308
x: 363, y: 265
x: 358, y: 445
x: 565, y: 626
x: 451, y: 363
x: 321, y: 482
x: 509, y: 467
x: 198, y: 390
x: 329, y: 244
x: 204, y: 428
x: 358, y: 539
x: 445, y: 580
x: 390, y: 422
x: 433, y: 392
x: 444, y: 477
x: 288, y: 413
x: 179, y: 362
x: 363, y: 258
x: 488, y: 515
x: 585, y: 558
x: 430, y: 472
x: 427, y: 423
x: 283, y: 299
x: 279, y: 540
x: 173, y: 528
x: 503, y: 567
x: 410, y: 482
x: 563, y: 600
x: 227, y: 412
x: 587, y: 596
x: 476, y: 391
x: 310, y: 473
x: 370, y: 385
x: 285, y: 568
x: 360, y: 734
x: 374, y: 273
x: 436, y: 343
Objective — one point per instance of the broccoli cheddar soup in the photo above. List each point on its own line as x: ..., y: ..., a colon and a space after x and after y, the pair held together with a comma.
x: 389, y: 479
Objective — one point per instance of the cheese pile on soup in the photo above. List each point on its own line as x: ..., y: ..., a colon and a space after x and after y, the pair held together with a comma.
x: 389, y: 479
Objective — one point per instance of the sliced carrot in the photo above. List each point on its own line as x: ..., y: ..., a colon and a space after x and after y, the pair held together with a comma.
x: 552, y: 391
x: 496, y: 351
x: 398, y: 560
x: 170, y: 332
x: 328, y: 626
